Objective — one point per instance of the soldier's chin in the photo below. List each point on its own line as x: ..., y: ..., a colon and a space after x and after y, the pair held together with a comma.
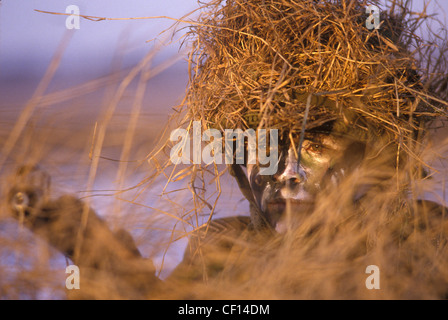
x: 287, y: 213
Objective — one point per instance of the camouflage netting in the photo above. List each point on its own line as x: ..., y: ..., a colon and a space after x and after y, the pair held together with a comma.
x: 254, y: 63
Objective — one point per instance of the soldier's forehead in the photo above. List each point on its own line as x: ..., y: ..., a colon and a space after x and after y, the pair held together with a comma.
x: 329, y: 139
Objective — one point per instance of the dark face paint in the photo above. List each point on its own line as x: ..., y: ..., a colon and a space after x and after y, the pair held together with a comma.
x: 295, y: 186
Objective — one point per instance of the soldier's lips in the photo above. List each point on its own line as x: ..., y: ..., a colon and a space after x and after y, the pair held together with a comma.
x: 295, y: 205
x: 298, y: 210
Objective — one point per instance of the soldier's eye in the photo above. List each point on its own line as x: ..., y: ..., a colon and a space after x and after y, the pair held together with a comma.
x: 315, y: 147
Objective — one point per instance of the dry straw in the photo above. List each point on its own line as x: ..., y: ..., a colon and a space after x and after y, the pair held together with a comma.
x: 255, y: 62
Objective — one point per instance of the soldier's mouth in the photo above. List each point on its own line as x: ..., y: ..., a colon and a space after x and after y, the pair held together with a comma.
x: 296, y: 206
x: 279, y: 218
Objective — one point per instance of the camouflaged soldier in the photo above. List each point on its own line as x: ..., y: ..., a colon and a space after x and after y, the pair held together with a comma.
x: 327, y: 137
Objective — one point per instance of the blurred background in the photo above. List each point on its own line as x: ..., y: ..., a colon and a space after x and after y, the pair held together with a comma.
x: 94, y: 85
x: 29, y: 39
x: 60, y: 120
x: 59, y: 130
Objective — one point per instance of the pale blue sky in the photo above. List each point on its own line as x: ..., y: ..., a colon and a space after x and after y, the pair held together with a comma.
x: 28, y: 39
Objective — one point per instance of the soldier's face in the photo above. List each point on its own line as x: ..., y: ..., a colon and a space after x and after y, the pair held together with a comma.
x: 294, y: 187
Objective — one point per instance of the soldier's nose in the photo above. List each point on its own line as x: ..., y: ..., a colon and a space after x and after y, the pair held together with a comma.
x: 293, y: 173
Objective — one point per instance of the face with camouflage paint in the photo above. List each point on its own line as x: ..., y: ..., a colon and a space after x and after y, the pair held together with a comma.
x: 324, y: 159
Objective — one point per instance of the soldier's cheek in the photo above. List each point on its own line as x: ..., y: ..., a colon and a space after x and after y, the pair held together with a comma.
x: 315, y: 176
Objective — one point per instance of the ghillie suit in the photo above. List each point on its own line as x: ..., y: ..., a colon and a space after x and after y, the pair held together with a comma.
x: 302, y: 67
x: 256, y: 65
x: 314, y: 66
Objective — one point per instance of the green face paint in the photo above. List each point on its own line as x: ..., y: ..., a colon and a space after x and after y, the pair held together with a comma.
x: 298, y: 184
